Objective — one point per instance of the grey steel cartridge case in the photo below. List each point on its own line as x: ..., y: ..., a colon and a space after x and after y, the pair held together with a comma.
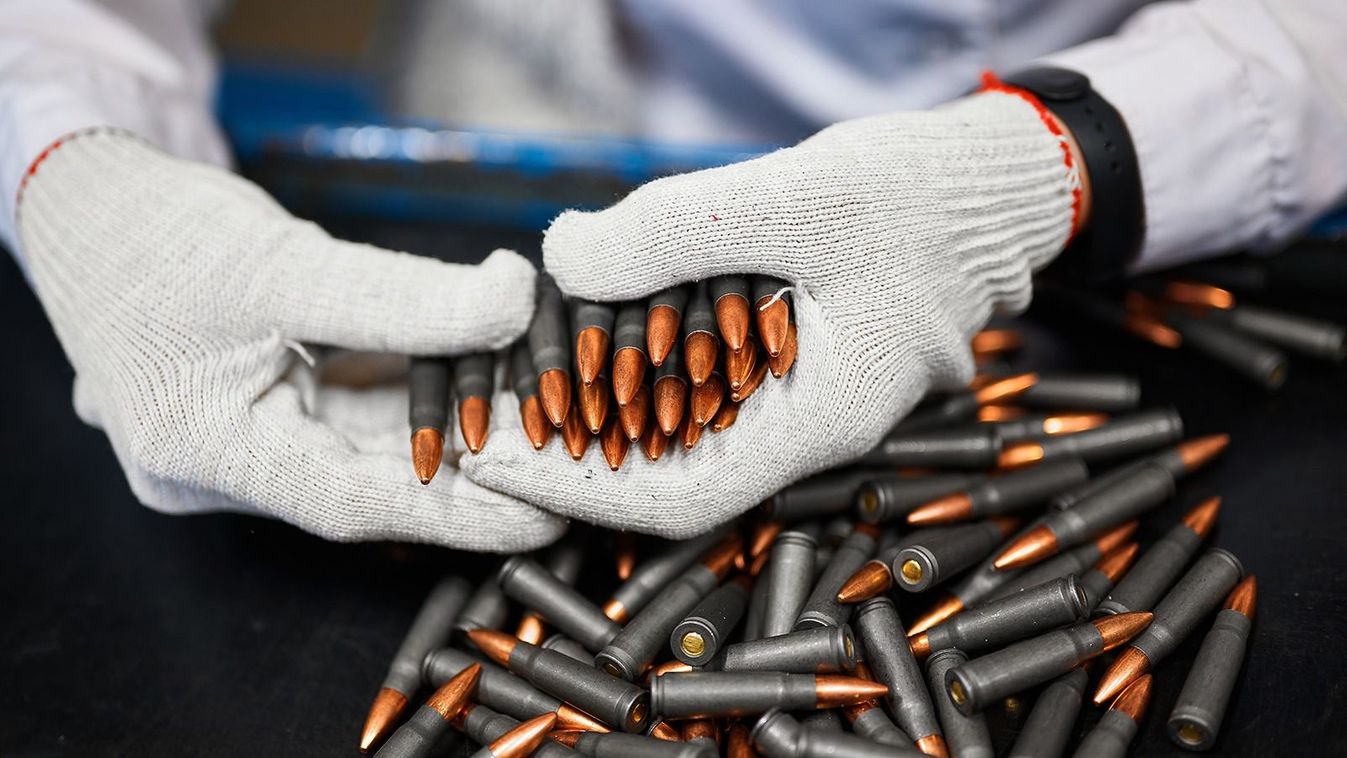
x: 633, y: 648
x: 486, y: 609
x: 975, y: 447
x: 428, y: 393
x: 1030, y: 486
x: 616, y: 745
x: 700, y: 315
x: 703, y: 694
x: 473, y: 375
x: 1197, y: 595
x: 651, y: 576
x: 959, y: 406
x: 1096, y: 392
x: 826, y: 494
x: 779, y: 735
x: 523, y: 379
x: 568, y: 647
x: 496, y: 687
x: 417, y: 737
x: 1096, y: 585
x: 822, y: 608
x: 1077, y: 560
x: 985, y: 579
x: 485, y: 726
x: 703, y: 633
x: 429, y: 630
x: 629, y: 328
x: 768, y: 286
x: 1196, y: 718
x: 587, y: 313
x: 1308, y: 336
x: 966, y: 734
x: 1035, y: 610
x: 825, y: 720
x: 526, y: 581
x: 566, y: 557
x: 882, y: 499
x: 1011, y: 669
x: 549, y: 332
x: 756, y: 616
x: 728, y: 284
x: 875, y: 725
x: 892, y: 664
x: 674, y: 297
x: 1256, y: 360
x: 1051, y: 722
x: 1069, y: 498
x: 1126, y: 435
x: 815, y: 650
x: 1123, y: 501
x: 615, y: 702
x: 919, y: 567
x: 672, y: 367
x: 1109, y: 738
x: 1153, y: 573
x: 789, y: 579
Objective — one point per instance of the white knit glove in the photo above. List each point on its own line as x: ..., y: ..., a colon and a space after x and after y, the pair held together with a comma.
x: 900, y: 233
x: 180, y: 294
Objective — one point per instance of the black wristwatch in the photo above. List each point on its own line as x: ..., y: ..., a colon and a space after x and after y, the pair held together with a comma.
x: 1112, y: 240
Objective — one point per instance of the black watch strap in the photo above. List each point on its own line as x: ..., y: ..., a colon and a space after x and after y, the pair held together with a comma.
x: 1112, y: 239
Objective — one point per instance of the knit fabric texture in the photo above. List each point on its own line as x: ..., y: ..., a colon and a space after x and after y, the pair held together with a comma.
x: 900, y: 234
x: 182, y: 294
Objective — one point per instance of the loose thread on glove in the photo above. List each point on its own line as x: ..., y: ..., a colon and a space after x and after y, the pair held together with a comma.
x: 301, y: 351
x: 779, y: 294
x: 991, y: 83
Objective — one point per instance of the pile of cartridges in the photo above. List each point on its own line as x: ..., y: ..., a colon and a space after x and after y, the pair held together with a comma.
x: 626, y: 373
x: 976, y: 563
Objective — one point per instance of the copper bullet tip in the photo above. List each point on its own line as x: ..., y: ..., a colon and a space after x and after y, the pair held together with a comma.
x: 495, y: 645
x: 1114, y: 564
x: 616, y: 611
x: 751, y: 385
x: 1111, y: 539
x: 1133, y: 700
x: 661, y: 332
x: 654, y: 442
x: 567, y: 738
x: 592, y: 399
x: 1243, y: 597
x: 1019, y: 454
x: 662, y: 730
x: 729, y: 413
x: 699, y: 356
x: 521, y: 741
x: 628, y: 374
x: 689, y: 433
x: 1066, y: 423
x: 1197, y: 293
x: 591, y: 352
x: 773, y: 323
x: 834, y: 690
x: 530, y: 629
x: 737, y: 742
x: 947, y: 607
x: 1203, y: 516
x: 1129, y: 666
x: 870, y: 580
x: 993, y: 413
x: 634, y: 415
x: 1196, y: 452
x: 1037, y: 544
x: 569, y: 717
x: 554, y: 389
x: 670, y: 401
x: 781, y: 362
x: 427, y: 452
x: 739, y: 366
x: 388, y: 705
x: 1121, y: 627
x: 856, y: 710
x: 764, y: 534
x: 624, y: 557
x: 614, y: 444
x: 1149, y: 328
x: 449, y: 698
x: 920, y: 644
x: 732, y: 316
x: 706, y: 400
x: 995, y: 341
x: 1005, y: 389
x: 721, y: 558
x: 669, y: 667
x: 537, y: 427
x: 575, y: 436
x: 698, y: 728
x: 474, y: 420
x: 933, y: 745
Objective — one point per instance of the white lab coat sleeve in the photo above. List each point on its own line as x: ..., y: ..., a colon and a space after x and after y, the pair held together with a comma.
x: 67, y: 65
x: 1238, y: 109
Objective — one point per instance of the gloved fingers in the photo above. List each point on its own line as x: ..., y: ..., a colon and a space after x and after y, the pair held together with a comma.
x: 737, y: 219
x: 366, y: 298
x: 86, y: 406
x: 309, y: 475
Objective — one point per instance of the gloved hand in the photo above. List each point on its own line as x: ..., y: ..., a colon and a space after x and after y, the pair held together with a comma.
x: 181, y: 293
x: 900, y: 233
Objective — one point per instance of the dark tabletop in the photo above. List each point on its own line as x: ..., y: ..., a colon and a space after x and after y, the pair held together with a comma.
x: 127, y: 632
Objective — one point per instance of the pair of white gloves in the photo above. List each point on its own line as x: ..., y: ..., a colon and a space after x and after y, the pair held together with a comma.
x: 189, y: 303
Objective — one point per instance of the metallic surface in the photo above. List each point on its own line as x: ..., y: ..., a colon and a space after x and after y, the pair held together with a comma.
x: 974, y: 447
x: 789, y: 578
x: 965, y: 733
x: 780, y: 735
x: 664, y: 316
x: 773, y: 316
x: 1017, y: 489
x: 1053, y: 718
x: 486, y: 609
x: 892, y: 664
x: 1098, y: 392
x: 650, y: 576
x: 1255, y: 360
x: 815, y: 650
x: 485, y: 726
x: 822, y: 608
x: 474, y: 385
x: 918, y: 567
x: 496, y: 687
x: 429, y: 630
x: 593, y: 337
x: 633, y: 648
x: 730, y: 299
x: 1196, y: 718
x: 1109, y: 738
x: 719, y: 693
x: 1125, y: 435
x: 523, y: 579
x: 637, y: 746
x: 521, y: 741
x: 1155, y: 571
x: 1309, y: 336
x: 1027, y: 613
x: 701, y: 341
x: 417, y: 737
x: 1077, y: 560
x: 825, y: 494
x: 550, y: 347
x: 868, y: 720
x: 568, y: 647
x: 607, y: 698
x: 705, y: 630
x: 891, y: 497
